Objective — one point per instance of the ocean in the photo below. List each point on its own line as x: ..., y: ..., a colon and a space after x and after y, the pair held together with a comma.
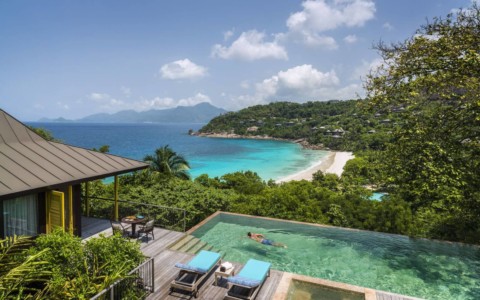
x: 212, y: 156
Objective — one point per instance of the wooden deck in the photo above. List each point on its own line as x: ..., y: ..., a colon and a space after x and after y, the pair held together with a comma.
x: 166, y: 259
x: 166, y: 272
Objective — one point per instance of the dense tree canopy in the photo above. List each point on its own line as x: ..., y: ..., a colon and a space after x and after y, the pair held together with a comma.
x: 434, y: 157
x: 168, y: 162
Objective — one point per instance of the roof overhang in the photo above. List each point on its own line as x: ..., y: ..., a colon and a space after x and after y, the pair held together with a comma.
x: 30, y: 164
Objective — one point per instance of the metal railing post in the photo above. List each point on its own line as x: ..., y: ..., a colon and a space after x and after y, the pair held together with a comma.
x: 184, y: 220
x: 172, y: 216
x: 115, y: 195
x: 153, y: 275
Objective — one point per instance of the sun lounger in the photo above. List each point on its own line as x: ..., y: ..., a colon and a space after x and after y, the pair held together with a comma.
x: 247, y: 283
x: 192, y: 274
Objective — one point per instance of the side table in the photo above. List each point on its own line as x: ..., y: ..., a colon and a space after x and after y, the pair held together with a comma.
x: 226, y: 273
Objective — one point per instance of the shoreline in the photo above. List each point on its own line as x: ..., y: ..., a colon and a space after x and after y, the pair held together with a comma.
x: 224, y: 135
x: 334, y: 163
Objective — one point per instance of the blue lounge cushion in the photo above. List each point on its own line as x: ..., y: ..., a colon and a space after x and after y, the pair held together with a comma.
x: 255, y: 270
x: 190, y: 268
x: 202, y: 262
x: 244, y: 281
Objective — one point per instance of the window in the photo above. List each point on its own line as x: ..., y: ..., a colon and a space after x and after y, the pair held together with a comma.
x: 20, y: 216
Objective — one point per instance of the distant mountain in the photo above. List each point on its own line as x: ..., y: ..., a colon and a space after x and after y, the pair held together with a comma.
x: 200, y: 113
x: 59, y: 120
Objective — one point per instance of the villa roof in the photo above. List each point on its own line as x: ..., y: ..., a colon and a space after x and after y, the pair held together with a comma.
x: 29, y: 163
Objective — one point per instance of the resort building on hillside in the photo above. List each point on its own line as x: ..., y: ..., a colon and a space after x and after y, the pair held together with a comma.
x: 40, y: 180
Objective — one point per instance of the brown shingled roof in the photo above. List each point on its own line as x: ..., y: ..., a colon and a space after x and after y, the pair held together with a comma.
x: 29, y: 163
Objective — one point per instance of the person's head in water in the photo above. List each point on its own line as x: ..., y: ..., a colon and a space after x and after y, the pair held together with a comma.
x: 249, y: 234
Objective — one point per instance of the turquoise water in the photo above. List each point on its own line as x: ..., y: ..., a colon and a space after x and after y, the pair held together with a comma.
x: 377, y: 196
x: 299, y: 289
x: 415, y: 267
x: 212, y: 156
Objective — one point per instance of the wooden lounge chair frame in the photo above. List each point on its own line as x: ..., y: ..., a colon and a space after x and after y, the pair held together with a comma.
x: 195, y: 279
x: 252, y: 291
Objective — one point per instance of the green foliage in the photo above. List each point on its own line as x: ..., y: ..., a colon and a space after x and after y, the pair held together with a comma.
x: 247, y: 182
x: 112, y: 255
x: 22, y: 276
x: 339, y: 125
x: 60, y: 266
x: 66, y: 252
x: 336, y: 216
x: 102, y: 149
x: 434, y: 155
x: 168, y: 162
x: 44, y: 133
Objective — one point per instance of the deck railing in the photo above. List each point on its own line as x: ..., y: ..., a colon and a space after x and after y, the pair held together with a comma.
x: 138, y: 284
x: 171, y: 218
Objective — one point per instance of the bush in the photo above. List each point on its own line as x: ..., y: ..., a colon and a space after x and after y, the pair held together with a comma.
x: 79, y: 270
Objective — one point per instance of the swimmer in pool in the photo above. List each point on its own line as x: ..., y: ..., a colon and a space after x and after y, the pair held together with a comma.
x: 258, y: 237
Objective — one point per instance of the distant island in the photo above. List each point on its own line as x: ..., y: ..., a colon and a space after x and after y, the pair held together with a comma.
x: 200, y: 113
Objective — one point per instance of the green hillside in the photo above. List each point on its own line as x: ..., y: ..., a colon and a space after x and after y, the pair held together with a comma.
x: 338, y: 125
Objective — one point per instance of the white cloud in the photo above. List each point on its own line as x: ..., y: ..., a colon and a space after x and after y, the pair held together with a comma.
x: 250, y: 46
x: 168, y: 102
x: 350, y: 39
x: 301, y: 81
x: 107, y: 103
x: 387, y: 26
x: 182, y: 69
x: 298, y: 84
x: 365, y: 68
x: 320, y: 16
x: 228, y: 34
x: 155, y: 103
x: 99, y: 96
x: 190, y: 101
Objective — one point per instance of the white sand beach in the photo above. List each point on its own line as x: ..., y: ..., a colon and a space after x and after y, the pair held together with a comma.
x: 332, y: 163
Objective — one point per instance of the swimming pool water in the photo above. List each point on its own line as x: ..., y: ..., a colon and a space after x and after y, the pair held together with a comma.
x: 307, y: 290
x: 377, y: 196
x: 415, y: 267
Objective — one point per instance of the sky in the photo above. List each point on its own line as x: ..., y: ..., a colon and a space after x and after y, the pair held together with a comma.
x: 71, y: 59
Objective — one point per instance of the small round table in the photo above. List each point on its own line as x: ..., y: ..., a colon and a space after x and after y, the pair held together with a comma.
x: 221, y: 274
x: 133, y: 222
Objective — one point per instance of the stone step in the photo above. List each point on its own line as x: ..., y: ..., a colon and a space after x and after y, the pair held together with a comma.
x: 207, y: 247
x: 197, y: 247
x: 181, y: 242
x: 189, y: 245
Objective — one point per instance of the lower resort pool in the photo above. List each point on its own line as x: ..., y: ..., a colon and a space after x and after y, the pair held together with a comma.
x: 306, y: 290
x: 399, y: 264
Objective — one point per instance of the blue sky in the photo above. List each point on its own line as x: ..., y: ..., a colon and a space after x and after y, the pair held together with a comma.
x: 76, y: 58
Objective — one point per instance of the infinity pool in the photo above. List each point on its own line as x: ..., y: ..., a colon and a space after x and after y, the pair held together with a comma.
x: 415, y: 267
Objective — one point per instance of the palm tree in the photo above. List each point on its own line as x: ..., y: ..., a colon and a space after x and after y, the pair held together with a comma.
x: 167, y: 161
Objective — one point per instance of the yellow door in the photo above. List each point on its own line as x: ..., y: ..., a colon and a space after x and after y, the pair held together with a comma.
x: 55, y: 210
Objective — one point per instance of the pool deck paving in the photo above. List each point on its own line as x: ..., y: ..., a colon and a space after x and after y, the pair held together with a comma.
x: 165, y: 270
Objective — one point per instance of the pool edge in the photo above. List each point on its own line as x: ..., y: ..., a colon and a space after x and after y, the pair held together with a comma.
x: 282, y: 290
x: 219, y: 212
